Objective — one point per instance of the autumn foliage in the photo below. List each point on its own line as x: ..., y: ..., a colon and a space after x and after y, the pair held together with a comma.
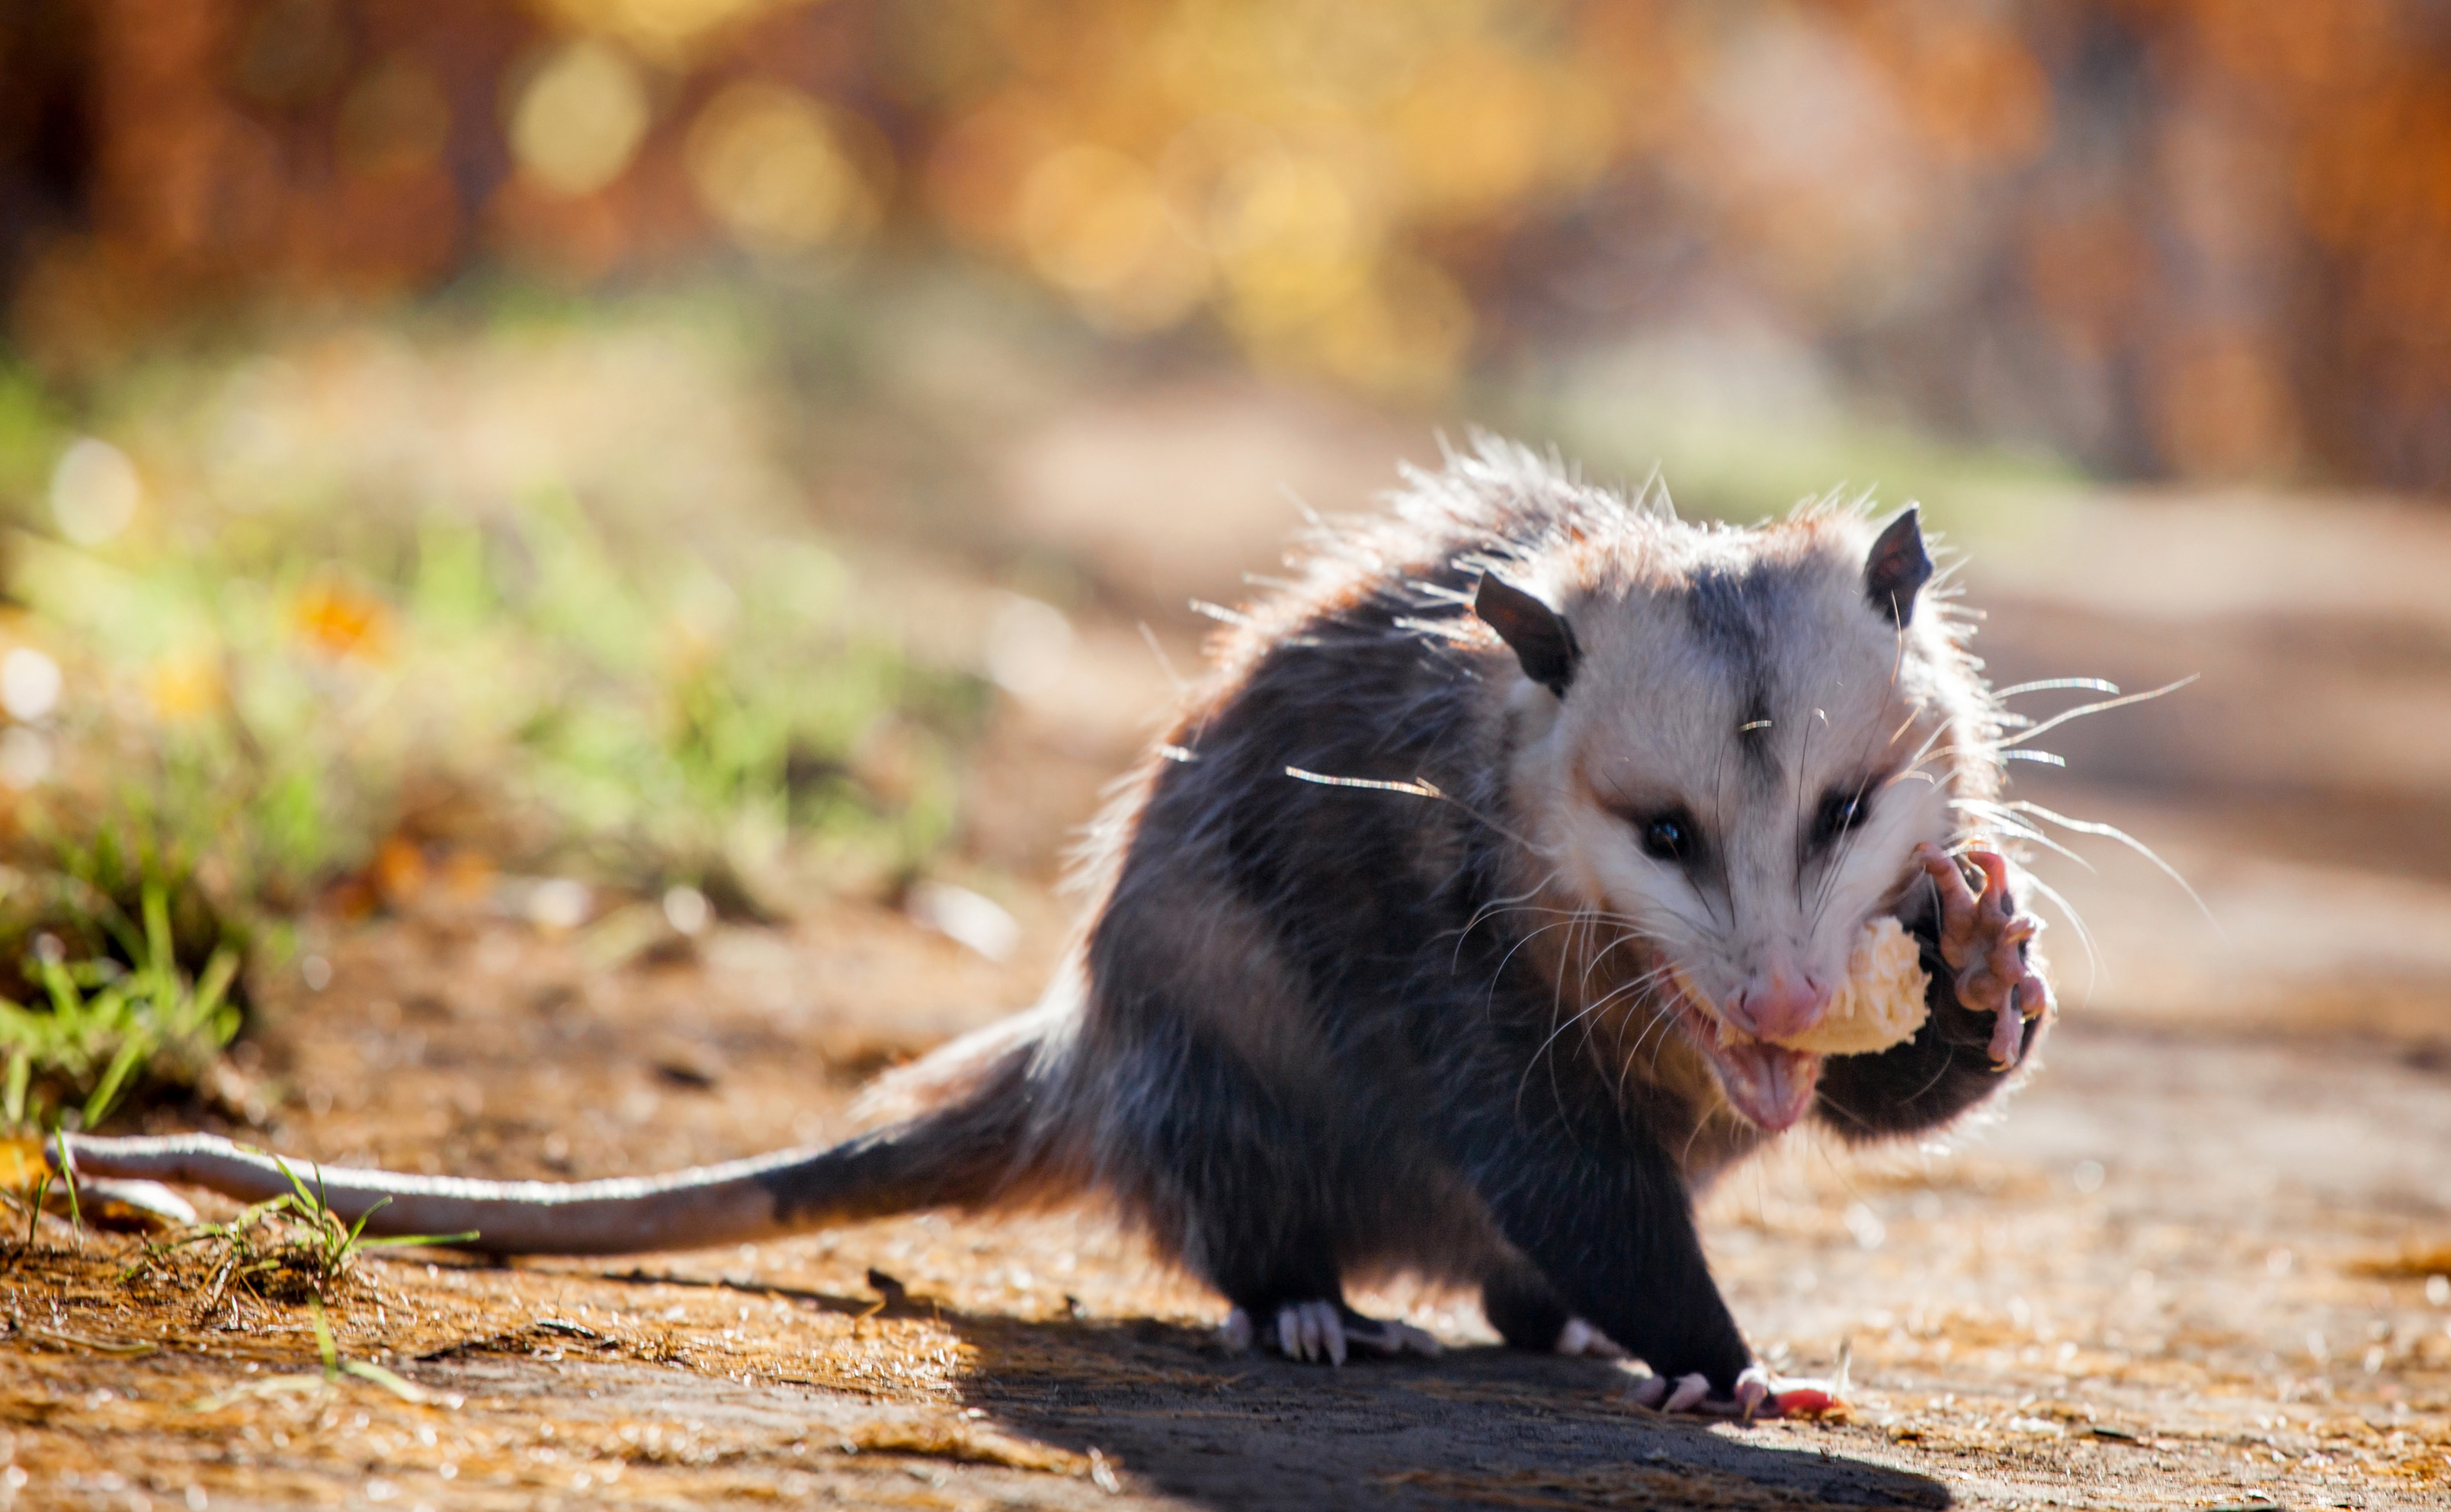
x: 2192, y: 237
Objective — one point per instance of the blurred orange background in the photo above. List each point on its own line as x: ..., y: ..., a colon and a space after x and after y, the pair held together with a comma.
x: 594, y: 552
x: 2162, y: 237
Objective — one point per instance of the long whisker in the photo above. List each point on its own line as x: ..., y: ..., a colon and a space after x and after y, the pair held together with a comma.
x: 1634, y: 987
x: 1557, y: 1007
x: 2083, y: 709
x: 1497, y: 907
x: 1594, y: 1012
x: 1558, y: 1023
x: 1655, y: 1033
x: 1632, y: 926
x: 1499, y: 971
x: 2076, y: 922
x: 2056, y: 684
x: 1641, y: 989
x: 2113, y: 832
x: 2002, y: 817
x: 1419, y: 788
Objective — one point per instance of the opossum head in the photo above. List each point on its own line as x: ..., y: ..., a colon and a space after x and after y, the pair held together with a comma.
x: 1729, y: 743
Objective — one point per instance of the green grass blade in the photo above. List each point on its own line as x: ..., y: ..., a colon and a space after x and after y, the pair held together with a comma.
x: 323, y: 1345
x: 68, y: 1179
x: 67, y: 1003
x: 306, y: 1207
x: 417, y: 1241
x: 132, y: 1052
x: 260, y: 1212
x: 219, y: 973
x: 160, y: 951
x: 13, y: 1098
x: 406, y: 1390
x: 359, y: 1227
x: 110, y: 1011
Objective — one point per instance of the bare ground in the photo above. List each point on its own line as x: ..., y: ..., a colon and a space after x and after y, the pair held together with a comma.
x: 2186, y: 1268
x: 2219, y: 1318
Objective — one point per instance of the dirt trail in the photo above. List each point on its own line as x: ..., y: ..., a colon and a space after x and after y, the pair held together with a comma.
x: 2188, y: 1268
x: 2139, y: 1288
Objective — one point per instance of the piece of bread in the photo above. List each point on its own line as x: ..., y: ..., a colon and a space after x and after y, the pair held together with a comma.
x: 1880, y: 1004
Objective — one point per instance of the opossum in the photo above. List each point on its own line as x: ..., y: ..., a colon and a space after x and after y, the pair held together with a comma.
x: 1450, y: 930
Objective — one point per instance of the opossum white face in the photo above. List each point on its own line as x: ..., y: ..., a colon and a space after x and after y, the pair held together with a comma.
x: 1731, y: 743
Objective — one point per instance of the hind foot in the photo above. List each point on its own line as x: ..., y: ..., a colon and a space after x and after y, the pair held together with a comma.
x: 1984, y: 941
x: 1580, y: 1338
x: 1759, y: 1394
x: 1327, y: 1330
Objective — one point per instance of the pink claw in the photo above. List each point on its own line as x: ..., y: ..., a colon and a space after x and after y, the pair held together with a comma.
x: 1753, y: 1391
x: 1757, y: 1394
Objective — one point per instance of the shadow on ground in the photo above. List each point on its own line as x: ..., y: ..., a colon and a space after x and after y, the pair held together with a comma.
x: 1482, y: 1425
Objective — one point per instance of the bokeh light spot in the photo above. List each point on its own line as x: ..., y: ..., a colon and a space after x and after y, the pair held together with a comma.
x: 25, y: 758
x: 769, y: 165
x: 340, y: 620
x: 580, y: 119
x: 184, y: 685
x: 665, y: 30
x: 94, y: 492
x: 1028, y: 646
x: 29, y: 684
x: 1088, y: 216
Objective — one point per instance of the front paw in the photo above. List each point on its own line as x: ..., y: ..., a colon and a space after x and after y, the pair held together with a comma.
x: 1326, y: 1331
x: 1580, y: 1338
x: 1757, y: 1394
x: 1984, y: 940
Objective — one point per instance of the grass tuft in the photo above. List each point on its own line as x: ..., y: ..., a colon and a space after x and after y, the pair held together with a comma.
x: 292, y: 1248
x: 103, y: 1028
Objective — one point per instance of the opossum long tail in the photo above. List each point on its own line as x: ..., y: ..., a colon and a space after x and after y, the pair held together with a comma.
x: 968, y: 1150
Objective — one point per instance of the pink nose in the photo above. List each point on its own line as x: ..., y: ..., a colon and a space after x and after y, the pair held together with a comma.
x: 1782, y: 1005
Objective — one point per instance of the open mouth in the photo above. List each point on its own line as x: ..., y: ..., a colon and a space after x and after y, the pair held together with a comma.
x: 1770, y: 1085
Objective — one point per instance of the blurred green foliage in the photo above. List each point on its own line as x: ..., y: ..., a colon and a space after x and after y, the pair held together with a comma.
x: 419, y: 616
x: 101, y: 1029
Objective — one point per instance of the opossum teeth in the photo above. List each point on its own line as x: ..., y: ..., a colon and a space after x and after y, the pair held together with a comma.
x: 1725, y: 1036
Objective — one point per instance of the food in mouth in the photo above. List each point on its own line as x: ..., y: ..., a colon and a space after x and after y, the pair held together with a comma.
x: 1881, y: 1004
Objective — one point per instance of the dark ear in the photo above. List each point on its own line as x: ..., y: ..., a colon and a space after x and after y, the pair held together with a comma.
x: 1898, y: 568
x: 1542, y: 640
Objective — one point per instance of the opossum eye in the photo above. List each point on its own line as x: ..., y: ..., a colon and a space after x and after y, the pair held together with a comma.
x: 1671, y: 837
x: 1841, y: 810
